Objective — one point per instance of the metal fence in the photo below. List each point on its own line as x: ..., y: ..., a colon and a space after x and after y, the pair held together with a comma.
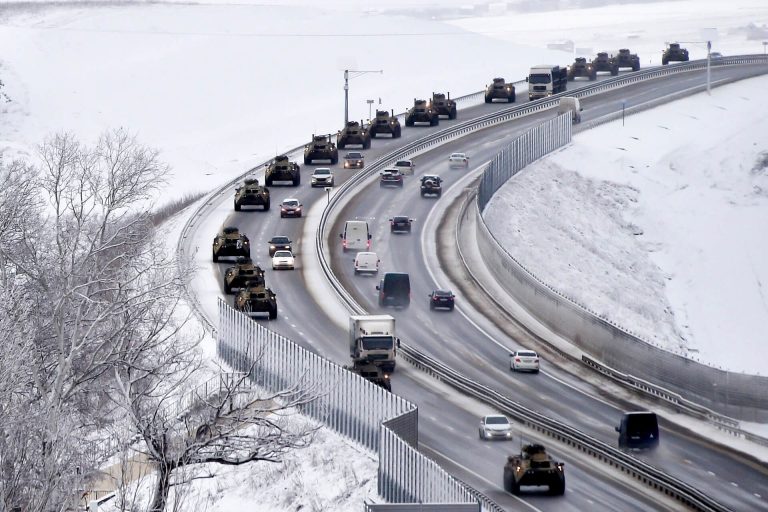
x: 347, y: 403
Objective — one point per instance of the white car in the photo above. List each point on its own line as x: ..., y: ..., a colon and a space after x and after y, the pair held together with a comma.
x: 406, y: 167
x: 495, y: 426
x: 322, y: 177
x: 458, y: 160
x: 524, y: 360
x: 366, y: 262
x: 282, y: 260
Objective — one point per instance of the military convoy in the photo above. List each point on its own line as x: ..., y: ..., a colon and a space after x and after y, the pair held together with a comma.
x: 534, y: 467
x: 499, y: 90
x: 444, y: 105
x: 230, y: 242
x: 243, y: 273
x: 371, y: 372
x: 354, y: 133
x: 421, y: 112
x: 321, y: 148
x: 626, y: 59
x: 251, y: 194
x: 674, y: 53
x: 385, y: 123
x: 254, y: 298
x: 581, y: 68
x: 282, y: 169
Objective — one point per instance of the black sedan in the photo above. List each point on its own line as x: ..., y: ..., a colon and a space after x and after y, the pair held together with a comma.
x: 279, y: 243
x: 441, y: 299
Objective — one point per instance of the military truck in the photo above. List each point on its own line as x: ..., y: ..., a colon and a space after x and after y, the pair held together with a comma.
x: 625, y: 59
x: 534, y: 466
x: 431, y: 185
x: 499, y: 90
x: 581, y: 67
x: 421, y: 112
x: 674, y: 53
x: 251, y: 194
x: 256, y: 298
x: 604, y: 62
x: 444, y: 105
x: 385, y: 123
x: 230, y: 242
x: 354, y: 133
x: 282, y: 169
x: 321, y: 148
x: 244, y: 271
x: 371, y: 372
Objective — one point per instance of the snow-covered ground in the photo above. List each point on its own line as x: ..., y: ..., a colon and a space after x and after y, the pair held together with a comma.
x: 221, y: 86
x: 660, y: 225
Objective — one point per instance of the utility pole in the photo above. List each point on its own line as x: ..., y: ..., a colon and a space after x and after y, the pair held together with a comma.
x: 369, y: 102
x: 709, y: 74
x: 347, y: 76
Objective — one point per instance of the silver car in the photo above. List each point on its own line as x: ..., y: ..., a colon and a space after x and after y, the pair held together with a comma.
x: 524, y: 360
x: 495, y: 426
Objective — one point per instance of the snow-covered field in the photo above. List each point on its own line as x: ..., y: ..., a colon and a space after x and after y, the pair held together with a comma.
x: 221, y: 86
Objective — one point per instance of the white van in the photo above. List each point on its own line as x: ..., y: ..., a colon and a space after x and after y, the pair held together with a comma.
x: 356, y: 236
x: 367, y: 262
x: 570, y: 104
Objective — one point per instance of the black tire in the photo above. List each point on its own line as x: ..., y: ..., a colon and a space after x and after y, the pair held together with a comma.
x: 408, y: 122
x: 535, y: 371
x: 367, y: 144
x: 614, y: 71
x: 268, y: 181
x: 664, y: 61
x: 396, y: 135
x: 237, y: 207
x: 450, y: 308
x: 514, y: 487
x: 434, y: 121
x: 635, y: 66
x: 335, y: 159
x: 297, y: 180
x: 273, y: 313
x: 307, y: 161
x: 452, y: 115
x: 215, y: 257
x: 227, y: 288
x: 488, y: 99
x: 266, y: 206
x: 341, y: 143
x: 282, y: 215
x: 512, y: 98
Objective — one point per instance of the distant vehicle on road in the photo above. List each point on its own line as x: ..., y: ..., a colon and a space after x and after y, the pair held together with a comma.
x: 458, y: 160
x: 322, y: 177
x: 638, y: 430
x: 354, y: 160
x: 283, y: 260
x: 367, y: 263
x: 495, y: 426
x: 290, y: 207
x: 526, y: 360
x: 442, y: 299
x: 400, y: 224
x: 279, y: 243
x: 391, y: 178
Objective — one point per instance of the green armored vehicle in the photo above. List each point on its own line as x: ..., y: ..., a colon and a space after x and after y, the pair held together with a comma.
x: 444, y: 105
x: 244, y: 271
x: 674, y: 53
x: 421, y: 112
x: 603, y: 62
x: 499, y: 90
x: 354, y: 133
x: 230, y: 242
x: 371, y: 372
x: 385, y: 123
x: 282, y: 169
x: 581, y: 67
x: 625, y: 59
x: 321, y: 148
x: 256, y: 298
x: 251, y: 194
x: 534, y: 467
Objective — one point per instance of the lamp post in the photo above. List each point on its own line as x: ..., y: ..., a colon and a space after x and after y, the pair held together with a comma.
x: 354, y: 73
x: 369, y: 102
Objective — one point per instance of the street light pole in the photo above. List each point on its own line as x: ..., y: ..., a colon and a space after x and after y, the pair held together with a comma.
x: 346, y: 87
x: 369, y: 102
x: 709, y: 75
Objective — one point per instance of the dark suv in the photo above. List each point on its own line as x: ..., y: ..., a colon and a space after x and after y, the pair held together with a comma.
x: 400, y: 224
x: 441, y: 299
x: 395, y: 290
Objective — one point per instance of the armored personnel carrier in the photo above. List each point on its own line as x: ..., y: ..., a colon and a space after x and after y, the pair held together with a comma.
x: 282, y: 169
x: 431, y: 185
x: 230, y: 242
x: 354, y: 133
x: 603, y: 62
x: 251, y: 194
x: 534, y: 466
x: 385, y: 123
x: 244, y: 271
x: 421, y: 112
x: 371, y: 372
x: 499, y: 90
x: 444, y: 105
x: 674, y: 53
x: 321, y: 148
x: 581, y: 67
x: 625, y: 59
x: 256, y: 298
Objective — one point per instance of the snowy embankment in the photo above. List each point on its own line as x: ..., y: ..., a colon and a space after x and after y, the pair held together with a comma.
x: 659, y: 225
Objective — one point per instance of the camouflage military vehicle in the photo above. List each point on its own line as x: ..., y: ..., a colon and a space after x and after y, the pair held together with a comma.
x: 421, y: 112
x: 244, y: 271
x: 431, y: 185
x: 444, y: 105
x: 256, y: 298
x: 230, y: 242
x: 674, y: 53
x: 282, y: 169
x: 624, y: 59
x: 534, y: 466
x: 321, y: 148
x: 385, y: 123
x: 581, y: 67
x: 371, y: 372
x: 251, y: 194
x: 354, y: 133
x: 605, y: 63
x: 500, y: 90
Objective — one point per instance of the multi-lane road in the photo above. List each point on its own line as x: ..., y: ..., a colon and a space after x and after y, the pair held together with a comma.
x: 467, y: 339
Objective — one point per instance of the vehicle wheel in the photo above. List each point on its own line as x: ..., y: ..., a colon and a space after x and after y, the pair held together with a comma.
x: 614, y: 71
x: 397, y: 133
x: 282, y: 215
x: 511, y: 99
x: 227, y: 288
x: 237, y: 207
x: 297, y: 181
x: 450, y: 308
x: 266, y: 206
x: 514, y: 487
x: 409, y: 122
x: 268, y: 182
x: 507, y: 482
x: 335, y: 159
x: 307, y: 161
x: 536, y: 371
x: 452, y: 114
x: 434, y: 121
x: 664, y: 61
x: 367, y: 144
x: 272, y: 313
x: 593, y: 76
x: 215, y: 257
x: 341, y: 143
x: 488, y: 100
